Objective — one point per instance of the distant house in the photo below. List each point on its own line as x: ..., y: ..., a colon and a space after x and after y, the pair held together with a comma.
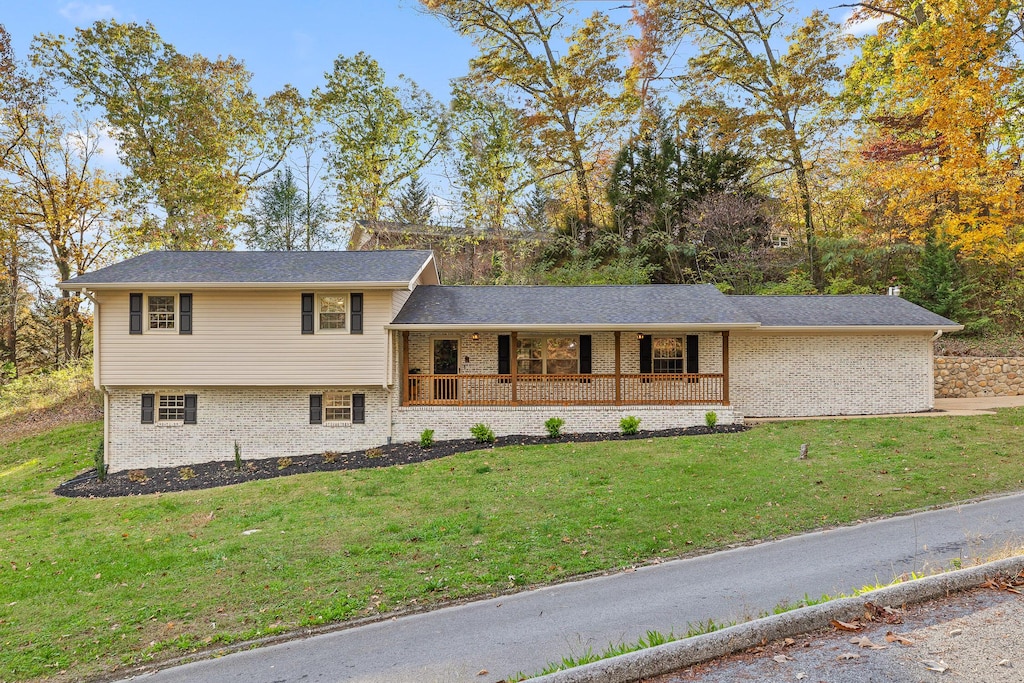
x: 289, y: 353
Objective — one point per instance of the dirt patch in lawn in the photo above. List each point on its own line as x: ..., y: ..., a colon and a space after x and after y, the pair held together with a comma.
x: 224, y: 473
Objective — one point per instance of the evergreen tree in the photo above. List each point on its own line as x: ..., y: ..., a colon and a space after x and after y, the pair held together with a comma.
x: 939, y: 283
x: 414, y: 204
x: 286, y: 218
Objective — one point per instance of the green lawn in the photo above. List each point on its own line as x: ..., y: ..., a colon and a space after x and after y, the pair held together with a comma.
x: 87, y: 586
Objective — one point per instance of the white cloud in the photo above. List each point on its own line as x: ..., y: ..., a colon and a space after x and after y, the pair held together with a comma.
x: 87, y: 12
x: 863, y: 27
x: 98, y: 140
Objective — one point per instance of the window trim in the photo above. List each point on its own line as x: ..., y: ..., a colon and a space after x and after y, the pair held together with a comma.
x: 325, y: 405
x: 147, y: 327
x: 544, y: 353
x: 681, y: 357
x: 318, y: 311
x: 157, y: 419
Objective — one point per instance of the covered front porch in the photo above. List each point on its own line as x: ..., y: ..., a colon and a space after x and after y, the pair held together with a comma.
x: 664, y: 367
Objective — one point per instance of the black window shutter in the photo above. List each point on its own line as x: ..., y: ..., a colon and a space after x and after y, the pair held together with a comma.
x: 692, y: 354
x: 147, y: 408
x: 316, y: 402
x: 307, y: 314
x: 585, y: 357
x: 185, y: 314
x: 646, y: 354
x: 356, y: 321
x: 358, y: 409
x: 504, y: 354
x: 190, y: 409
x: 135, y: 313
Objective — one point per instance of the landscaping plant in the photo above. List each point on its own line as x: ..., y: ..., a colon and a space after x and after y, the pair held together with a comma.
x: 629, y: 425
x: 482, y: 433
x: 554, y: 426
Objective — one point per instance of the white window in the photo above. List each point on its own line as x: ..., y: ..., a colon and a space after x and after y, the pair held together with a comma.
x: 161, y: 312
x: 780, y: 241
x: 548, y: 356
x: 171, y: 407
x: 332, y: 311
x: 667, y: 354
x: 338, y: 407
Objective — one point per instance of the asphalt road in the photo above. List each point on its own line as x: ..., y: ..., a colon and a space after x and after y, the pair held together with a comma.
x: 525, y: 631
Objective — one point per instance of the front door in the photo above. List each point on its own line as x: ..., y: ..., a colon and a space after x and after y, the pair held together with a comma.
x: 446, y: 362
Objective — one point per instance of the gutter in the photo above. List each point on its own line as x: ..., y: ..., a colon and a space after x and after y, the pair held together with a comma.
x: 296, y: 286
x: 558, y: 327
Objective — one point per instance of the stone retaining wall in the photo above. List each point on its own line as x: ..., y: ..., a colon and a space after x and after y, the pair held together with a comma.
x: 972, y: 376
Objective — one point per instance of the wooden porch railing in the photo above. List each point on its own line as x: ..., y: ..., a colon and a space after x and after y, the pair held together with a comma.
x: 497, y: 390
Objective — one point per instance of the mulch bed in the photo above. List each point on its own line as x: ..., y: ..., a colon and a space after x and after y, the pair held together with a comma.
x: 223, y: 473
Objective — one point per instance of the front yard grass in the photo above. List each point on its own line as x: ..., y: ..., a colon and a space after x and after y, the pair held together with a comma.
x: 88, y: 586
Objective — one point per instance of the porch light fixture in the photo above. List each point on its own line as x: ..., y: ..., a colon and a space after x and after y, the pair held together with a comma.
x: 475, y: 336
x: 639, y: 335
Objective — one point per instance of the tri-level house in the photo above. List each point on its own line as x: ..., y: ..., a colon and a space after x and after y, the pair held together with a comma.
x: 288, y: 353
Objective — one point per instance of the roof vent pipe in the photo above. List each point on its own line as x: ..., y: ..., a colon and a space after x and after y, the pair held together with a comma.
x: 894, y: 291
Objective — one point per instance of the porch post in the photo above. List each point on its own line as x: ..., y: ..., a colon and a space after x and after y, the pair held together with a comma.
x: 725, y: 368
x: 404, y: 372
x: 618, y: 370
x: 513, y: 365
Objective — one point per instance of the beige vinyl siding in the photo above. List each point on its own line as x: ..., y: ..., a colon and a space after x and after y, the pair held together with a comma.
x: 244, y: 338
x: 398, y: 299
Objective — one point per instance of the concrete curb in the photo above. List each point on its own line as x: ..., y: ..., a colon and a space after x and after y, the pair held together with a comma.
x: 663, y: 659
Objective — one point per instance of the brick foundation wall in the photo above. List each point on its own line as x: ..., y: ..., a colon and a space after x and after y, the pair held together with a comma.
x: 449, y: 422
x: 782, y: 375
x: 973, y: 376
x: 265, y: 421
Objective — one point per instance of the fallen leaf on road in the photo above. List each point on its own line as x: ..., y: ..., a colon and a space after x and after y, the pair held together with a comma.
x: 848, y: 655
x: 897, y: 638
x: 1004, y: 662
x: 864, y: 641
x: 482, y: 672
x: 782, y: 659
x: 801, y: 676
x: 888, y: 615
x: 939, y: 666
x: 955, y: 631
x: 845, y: 625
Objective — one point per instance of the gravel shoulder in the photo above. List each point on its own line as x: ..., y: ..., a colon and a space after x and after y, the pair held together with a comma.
x: 971, y: 636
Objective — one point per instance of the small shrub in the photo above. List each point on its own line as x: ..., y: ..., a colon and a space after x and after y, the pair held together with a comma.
x: 374, y: 452
x: 330, y: 456
x: 426, y: 438
x: 284, y: 463
x: 482, y: 433
x: 101, y: 467
x: 554, y: 426
x: 238, y: 457
x: 629, y: 425
x: 186, y: 473
x: 711, y: 419
x: 137, y: 476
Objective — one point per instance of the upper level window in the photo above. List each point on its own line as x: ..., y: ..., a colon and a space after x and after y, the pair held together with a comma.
x: 161, y: 312
x: 332, y: 312
x: 780, y: 241
x: 548, y: 356
x: 667, y: 354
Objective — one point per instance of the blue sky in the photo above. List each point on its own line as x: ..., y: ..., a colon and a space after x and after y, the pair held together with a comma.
x: 293, y: 42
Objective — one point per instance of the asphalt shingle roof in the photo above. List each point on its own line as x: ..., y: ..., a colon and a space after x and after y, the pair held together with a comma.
x: 639, y: 305
x: 838, y: 311
x: 259, y: 267
x: 627, y: 305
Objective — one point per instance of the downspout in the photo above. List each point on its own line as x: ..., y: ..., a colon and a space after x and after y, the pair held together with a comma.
x: 96, y: 375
